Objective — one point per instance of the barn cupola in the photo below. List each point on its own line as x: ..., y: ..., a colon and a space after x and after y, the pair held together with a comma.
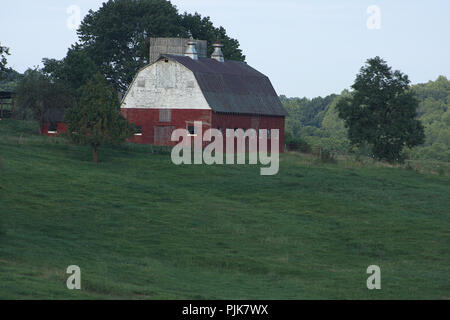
x: 218, y: 54
x: 191, y: 50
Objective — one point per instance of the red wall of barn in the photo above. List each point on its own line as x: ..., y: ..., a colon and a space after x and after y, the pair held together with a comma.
x: 231, y: 121
x: 61, y: 128
x: 148, y: 119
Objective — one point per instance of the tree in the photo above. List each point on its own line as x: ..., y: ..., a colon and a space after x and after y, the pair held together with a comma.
x: 382, y: 111
x: 4, y: 51
x: 38, y: 93
x: 203, y: 28
x: 116, y: 37
x: 434, y: 112
x: 96, y: 119
x: 9, y: 80
x: 75, y: 70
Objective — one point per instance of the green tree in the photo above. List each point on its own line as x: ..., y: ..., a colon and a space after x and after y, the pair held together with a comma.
x: 203, y: 28
x: 9, y: 80
x: 75, y: 70
x: 116, y: 37
x: 96, y: 119
x: 38, y: 93
x: 434, y: 112
x: 382, y: 111
x: 4, y: 51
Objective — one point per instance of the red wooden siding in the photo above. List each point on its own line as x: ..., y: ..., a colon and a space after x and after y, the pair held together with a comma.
x: 158, y: 125
x: 157, y: 130
x: 61, y: 128
x: 232, y: 121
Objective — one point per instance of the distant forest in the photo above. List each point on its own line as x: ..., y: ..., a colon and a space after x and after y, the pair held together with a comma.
x: 316, y: 121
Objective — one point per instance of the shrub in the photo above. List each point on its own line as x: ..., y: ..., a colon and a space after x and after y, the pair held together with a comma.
x: 296, y: 144
x: 327, y: 156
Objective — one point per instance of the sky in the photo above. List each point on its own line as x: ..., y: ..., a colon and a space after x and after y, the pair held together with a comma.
x: 307, y: 48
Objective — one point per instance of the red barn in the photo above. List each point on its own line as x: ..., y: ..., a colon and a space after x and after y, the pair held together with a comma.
x: 176, y: 90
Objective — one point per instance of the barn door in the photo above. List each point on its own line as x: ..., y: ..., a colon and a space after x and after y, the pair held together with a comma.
x: 163, y: 135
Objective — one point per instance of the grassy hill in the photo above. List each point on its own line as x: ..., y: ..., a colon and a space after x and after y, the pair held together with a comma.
x: 142, y: 228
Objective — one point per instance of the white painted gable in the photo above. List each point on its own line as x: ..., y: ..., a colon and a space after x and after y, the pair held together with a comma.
x: 165, y: 85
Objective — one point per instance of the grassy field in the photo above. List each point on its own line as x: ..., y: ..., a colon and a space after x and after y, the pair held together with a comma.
x: 142, y: 228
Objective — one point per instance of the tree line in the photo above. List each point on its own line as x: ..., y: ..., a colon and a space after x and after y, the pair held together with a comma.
x: 316, y: 122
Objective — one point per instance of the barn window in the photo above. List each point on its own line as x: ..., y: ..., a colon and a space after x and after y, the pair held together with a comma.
x: 52, y: 127
x: 141, y: 83
x: 138, y: 131
x: 192, y: 130
x: 165, y: 115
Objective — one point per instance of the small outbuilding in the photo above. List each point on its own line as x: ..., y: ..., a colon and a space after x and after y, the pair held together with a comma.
x: 53, y: 122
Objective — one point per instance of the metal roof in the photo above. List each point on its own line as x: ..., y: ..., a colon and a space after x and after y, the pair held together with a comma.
x: 233, y: 86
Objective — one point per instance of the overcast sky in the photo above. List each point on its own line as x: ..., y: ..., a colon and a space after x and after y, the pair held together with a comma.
x: 307, y: 48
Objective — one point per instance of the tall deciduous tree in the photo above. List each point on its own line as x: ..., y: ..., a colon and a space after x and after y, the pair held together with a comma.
x: 96, y: 120
x: 116, y: 37
x: 75, y: 70
x: 203, y: 28
x: 382, y: 111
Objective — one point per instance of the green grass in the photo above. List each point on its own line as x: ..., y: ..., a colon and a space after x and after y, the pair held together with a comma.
x: 142, y: 228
